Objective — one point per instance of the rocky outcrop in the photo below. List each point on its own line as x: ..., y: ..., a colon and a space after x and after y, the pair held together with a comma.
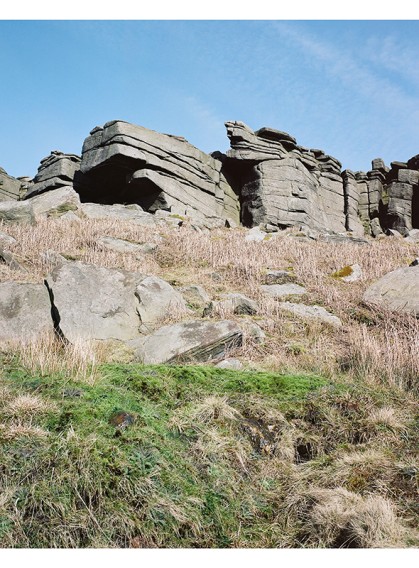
x: 389, y: 197
x: 266, y: 181
x: 125, y: 163
x: 56, y: 170
x: 282, y: 183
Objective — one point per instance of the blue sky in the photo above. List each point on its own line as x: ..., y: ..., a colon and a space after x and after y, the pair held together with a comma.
x: 350, y: 88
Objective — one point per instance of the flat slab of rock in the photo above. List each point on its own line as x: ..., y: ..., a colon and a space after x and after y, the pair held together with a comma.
x: 282, y: 290
x: 95, y: 302
x: 343, y: 239
x: 398, y: 290
x: 131, y: 212
x: 123, y: 246
x: 311, y: 312
x: 25, y: 311
x: 189, y: 341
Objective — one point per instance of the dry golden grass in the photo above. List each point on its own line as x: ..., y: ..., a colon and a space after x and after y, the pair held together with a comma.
x: 47, y: 355
x: 380, y: 346
x: 337, y: 518
x: 28, y: 405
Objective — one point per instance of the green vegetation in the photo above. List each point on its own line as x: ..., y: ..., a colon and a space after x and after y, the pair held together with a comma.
x: 207, y: 458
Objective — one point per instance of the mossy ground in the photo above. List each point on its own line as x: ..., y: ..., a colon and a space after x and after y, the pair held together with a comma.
x: 210, y: 460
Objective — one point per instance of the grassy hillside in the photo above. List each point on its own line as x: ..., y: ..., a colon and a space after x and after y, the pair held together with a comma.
x: 192, y: 456
x: 313, y: 444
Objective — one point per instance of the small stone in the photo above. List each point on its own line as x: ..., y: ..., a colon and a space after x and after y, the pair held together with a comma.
x: 394, y: 233
x: 230, y: 224
x: 255, y: 235
x: 253, y: 331
x: 70, y: 216
x: 121, y: 420
x: 278, y: 277
x: 72, y: 393
x: 237, y: 304
x: 413, y: 236
x: 233, y: 364
x: 415, y: 262
x: 216, y: 276
x: 195, y: 295
x: 53, y: 258
x: 10, y: 259
x: 375, y: 227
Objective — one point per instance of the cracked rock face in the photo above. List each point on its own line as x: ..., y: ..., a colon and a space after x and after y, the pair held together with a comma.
x: 125, y: 163
x: 95, y: 303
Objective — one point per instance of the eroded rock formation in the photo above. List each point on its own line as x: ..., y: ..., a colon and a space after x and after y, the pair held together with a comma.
x: 124, y: 163
x: 266, y: 178
x: 282, y: 183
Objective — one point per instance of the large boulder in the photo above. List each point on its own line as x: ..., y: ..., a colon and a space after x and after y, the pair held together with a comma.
x: 17, y: 212
x: 398, y: 290
x: 55, y: 203
x: 189, y: 341
x: 93, y: 302
x: 25, y: 311
x: 125, y: 163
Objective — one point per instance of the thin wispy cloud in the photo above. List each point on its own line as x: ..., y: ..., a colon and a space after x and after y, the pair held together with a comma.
x: 390, y: 53
x: 363, y: 78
